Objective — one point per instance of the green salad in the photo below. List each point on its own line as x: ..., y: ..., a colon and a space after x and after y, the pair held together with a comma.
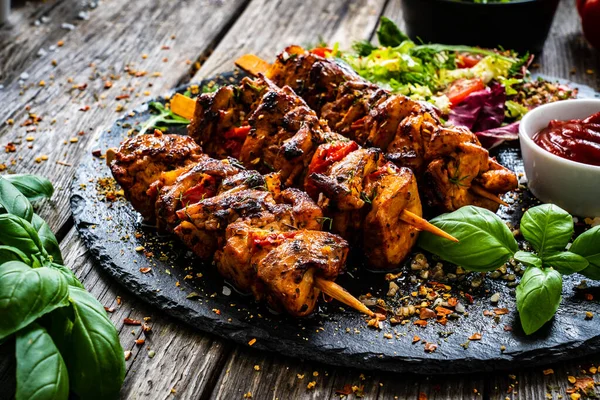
x: 481, y: 89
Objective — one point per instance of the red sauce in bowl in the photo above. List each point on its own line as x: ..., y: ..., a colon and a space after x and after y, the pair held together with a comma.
x: 576, y: 140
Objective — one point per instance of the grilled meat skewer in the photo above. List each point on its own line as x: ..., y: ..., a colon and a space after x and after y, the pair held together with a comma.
x: 272, y: 129
x: 264, y: 240
x: 452, y: 167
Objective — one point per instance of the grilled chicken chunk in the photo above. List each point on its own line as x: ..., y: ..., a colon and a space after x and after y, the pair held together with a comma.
x: 264, y: 240
x: 409, y: 132
x: 140, y: 161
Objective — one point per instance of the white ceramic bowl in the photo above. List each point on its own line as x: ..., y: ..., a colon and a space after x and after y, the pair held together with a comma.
x: 571, y: 185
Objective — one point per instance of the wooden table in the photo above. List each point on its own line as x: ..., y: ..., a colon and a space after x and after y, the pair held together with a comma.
x: 59, y: 56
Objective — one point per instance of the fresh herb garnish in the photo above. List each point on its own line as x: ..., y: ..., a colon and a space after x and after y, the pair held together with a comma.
x: 64, y: 339
x: 486, y: 243
x: 389, y: 34
x: 163, y: 119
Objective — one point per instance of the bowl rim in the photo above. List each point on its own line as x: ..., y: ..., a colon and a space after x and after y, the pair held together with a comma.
x: 526, y: 137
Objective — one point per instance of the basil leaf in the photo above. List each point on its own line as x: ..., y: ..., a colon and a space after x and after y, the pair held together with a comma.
x: 47, y: 238
x: 528, y: 258
x: 68, y: 274
x: 8, y: 253
x: 548, y: 228
x: 28, y: 293
x: 389, y: 34
x: 19, y: 233
x: 33, y: 187
x: 566, y: 262
x: 485, y: 242
x: 13, y: 201
x: 588, y: 245
x: 538, y: 297
x: 96, y: 364
x: 41, y: 370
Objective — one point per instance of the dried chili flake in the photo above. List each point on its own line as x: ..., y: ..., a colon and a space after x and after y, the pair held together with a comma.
x: 415, y: 339
x: 548, y: 371
x: 97, y: 153
x: 146, y: 328
x: 109, y: 309
x: 122, y: 97
x: 82, y: 86
x: 452, y: 301
x: 487, y: 313
x: 430, y: 347
x: 119, y: 300
x: 10, y: 147
x: 500, y: 311
x: 469, y: 298
x: 251, y: 342
x: 165, y: 47
x: 584, y: 384
x: 140, y: 342
x: 443, y: 310
x: 127, y: 355
x: 475, y: 336
x: 130, y: 321
x: 420, y: 322
x: 422, y: 396
x: 426, y: 313
x: 508, y: 328
x: 108, y: 85
x: 345, y: 391
x: 84, y: 108
x: 145, y: 270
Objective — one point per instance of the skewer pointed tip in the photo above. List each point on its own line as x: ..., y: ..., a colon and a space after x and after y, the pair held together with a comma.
x: 422, y: 224
x: 340, y: 294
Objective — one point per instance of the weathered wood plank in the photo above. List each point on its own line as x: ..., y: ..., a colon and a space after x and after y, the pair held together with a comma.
x: 266, y: 27
x: 143, y: 48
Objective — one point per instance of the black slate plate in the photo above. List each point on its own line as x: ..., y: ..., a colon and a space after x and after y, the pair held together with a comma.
x: 335, y: 335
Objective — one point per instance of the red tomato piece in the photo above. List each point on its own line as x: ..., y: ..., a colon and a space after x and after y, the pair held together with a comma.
x: 465, y: 60
x: 460, y: 89
x: 205, y: 189
x: 321, y: 51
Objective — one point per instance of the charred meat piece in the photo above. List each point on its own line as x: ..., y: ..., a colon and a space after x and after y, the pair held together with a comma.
x: 409, y: 132
x: 387, y: 239
x: 140, y: 161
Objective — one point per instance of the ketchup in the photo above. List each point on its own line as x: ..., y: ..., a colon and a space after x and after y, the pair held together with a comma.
x: 576, y: 140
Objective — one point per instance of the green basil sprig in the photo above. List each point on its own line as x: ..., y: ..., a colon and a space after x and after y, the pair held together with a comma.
x: 41, y: 370
x: 588, y: 245
x: 33, y: 187
x: 485, y: 243
x: 64, y: 339
x: 538, y: 297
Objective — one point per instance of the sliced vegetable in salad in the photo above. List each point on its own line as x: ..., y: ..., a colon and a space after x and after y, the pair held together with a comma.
x: 487, y: 91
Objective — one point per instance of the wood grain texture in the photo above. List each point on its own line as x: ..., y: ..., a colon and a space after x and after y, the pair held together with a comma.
x: 267, y: 26
x: 143, y: 48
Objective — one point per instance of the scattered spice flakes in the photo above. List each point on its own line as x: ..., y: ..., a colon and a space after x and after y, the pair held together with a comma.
x: 10, y: 147
x: 128, y: 355
x: 548, y: 371
x: 119, y: 108
x: 300, y: 377
x: 60, y: 43
x: 415, y: 339
x: 257, y: 367
x: 3, y: 167
x: 151, y: 353
x: 500, y: 311
x: 571, y: 379
x: 146, y: 328
x: 139, y: 249
x: 422, y: 396
x: 140, y: 342
x: 122, y: 97
x: 248, y: 395
x: 251, y: 342
x: 475, y: 336
x: 430, y: 347
x: 584, y: 384
x: 119, y: 300
x: 73, y: 140
x: 420, y: 322
x: 108, y: 85
x: 216, y: 311
x: 589, y: 296
x: 109, y: 309
x: 82, y: 86
x: 145, y: 270
x: 311, y: 385
x: 589, y: 315
x: 426, y: 313
x: 84, y: 108
x: 131, y: 321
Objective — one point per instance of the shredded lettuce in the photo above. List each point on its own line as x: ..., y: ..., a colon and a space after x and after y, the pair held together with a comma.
x: 515, y: 110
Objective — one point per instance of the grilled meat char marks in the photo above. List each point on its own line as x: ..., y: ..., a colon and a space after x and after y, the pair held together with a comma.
x: 264, y: 240
x: 285, y: 135
x: 409, y: 132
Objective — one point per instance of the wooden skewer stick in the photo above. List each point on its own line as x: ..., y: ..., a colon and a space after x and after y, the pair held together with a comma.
x: 422, y: 224
x: 253, y: 64
x: 478, y: 190
x: 340, y: 294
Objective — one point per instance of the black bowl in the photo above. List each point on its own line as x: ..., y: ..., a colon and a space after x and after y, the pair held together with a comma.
x: 522, y: 25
